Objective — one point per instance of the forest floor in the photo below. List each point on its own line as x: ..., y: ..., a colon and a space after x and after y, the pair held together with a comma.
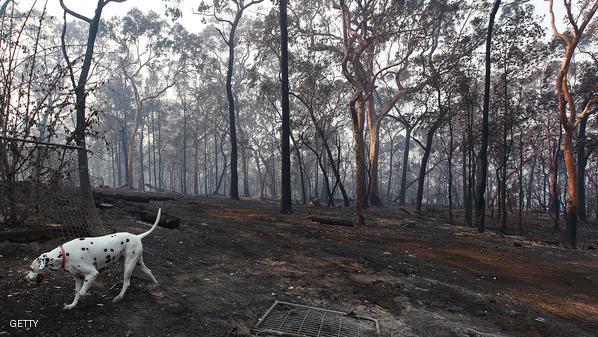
x: 229, y: 260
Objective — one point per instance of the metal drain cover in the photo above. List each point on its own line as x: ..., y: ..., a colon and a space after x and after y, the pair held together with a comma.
x: 296, y: 320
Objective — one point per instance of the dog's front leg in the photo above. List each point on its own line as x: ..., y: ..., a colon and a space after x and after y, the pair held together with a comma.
x: 78, y: 284
x: 89, y: 278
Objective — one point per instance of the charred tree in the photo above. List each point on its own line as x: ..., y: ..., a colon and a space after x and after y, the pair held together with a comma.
x: 480, y: 203
x: 285, y: 178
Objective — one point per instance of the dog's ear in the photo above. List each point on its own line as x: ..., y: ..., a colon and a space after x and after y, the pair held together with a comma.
x: 42, y: 262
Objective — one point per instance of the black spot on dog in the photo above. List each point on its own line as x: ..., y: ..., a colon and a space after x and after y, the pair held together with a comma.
x: 133, y: 252
x: 127, y: 240
x: 60, y: 255
x: 95, y: 259
x: 92, y: 242
x: 82, y: 248
x: 105, y: 249
x: 111, y: 249
x: 67, y: 254
x: 86, y: 280
x: 81, y: 239
x: 79, y: 266
x: 108, y: 256
x: 81, y: 257
x: 122, y: 243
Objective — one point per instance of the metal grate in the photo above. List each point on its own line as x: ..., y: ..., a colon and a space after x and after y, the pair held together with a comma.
x: 296, y: 320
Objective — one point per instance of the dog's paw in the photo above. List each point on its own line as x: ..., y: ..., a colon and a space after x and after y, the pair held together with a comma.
x: 69, y: 306
x: 117, y: 298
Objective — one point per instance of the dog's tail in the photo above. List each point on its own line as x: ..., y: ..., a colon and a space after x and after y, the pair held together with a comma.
x: 142, y: 235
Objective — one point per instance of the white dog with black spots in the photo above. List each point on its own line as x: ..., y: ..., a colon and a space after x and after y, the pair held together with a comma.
x: 85, y: 257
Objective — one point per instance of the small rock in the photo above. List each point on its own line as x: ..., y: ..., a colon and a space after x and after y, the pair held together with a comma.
x: 387, y: 254
x: 540, y: 319
x: 100, y: 305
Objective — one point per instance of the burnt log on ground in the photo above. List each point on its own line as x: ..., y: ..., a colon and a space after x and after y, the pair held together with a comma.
x: 331, y: 221
x: 30, y: 235
x: 134, y: 197
x: 166, y: 221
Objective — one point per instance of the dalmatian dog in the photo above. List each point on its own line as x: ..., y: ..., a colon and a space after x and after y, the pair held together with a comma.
x: 85, y: 257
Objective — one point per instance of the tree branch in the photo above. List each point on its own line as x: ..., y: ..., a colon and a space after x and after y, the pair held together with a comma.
x: 73, y: 13
x: 586, y: 111
x: 553, y: 24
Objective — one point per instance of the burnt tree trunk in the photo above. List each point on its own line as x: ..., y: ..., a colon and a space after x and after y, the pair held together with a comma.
x: 582, y: 161
x: 483, y: 154
x: 285, y: 178
x: 404, y: 166
x: 80, y: 88
x: 301, y: 171
x: 450, y: 168
x: 424, y: 164
x: 357, y: 108
x: 234, y: 177
x: 322, y: 135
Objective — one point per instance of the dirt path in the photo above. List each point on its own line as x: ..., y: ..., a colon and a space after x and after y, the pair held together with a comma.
x: 229, y: 261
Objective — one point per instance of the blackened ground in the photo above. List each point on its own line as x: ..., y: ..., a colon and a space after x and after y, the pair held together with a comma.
x: 230, y: 260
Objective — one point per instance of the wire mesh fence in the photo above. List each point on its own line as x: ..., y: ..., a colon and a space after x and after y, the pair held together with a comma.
x: 297, y: 320
x: 39, y: 185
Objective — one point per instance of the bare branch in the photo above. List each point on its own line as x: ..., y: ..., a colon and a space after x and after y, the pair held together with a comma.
x: 65, y: 54
x: 107, y: 1
x: 73, y: 13
x: 553, y: 24
x: 586, y: 111
x: 3, y: 7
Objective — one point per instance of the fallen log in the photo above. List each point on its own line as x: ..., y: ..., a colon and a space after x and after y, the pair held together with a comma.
x: 137, y: 197
x: 166, y: 221
x: 29, y: 235
x: 331, y: 221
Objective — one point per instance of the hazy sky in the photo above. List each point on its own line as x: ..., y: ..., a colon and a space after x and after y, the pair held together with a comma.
x: 193, y: 22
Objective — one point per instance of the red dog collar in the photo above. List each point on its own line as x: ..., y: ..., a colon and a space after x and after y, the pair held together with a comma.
x: 63, y: 257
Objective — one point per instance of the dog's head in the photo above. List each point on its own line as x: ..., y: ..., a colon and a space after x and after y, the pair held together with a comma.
x: 37, y: 269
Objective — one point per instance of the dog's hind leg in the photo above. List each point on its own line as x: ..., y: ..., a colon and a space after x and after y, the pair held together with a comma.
x: 130, y: 263
x: 147, y: 271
